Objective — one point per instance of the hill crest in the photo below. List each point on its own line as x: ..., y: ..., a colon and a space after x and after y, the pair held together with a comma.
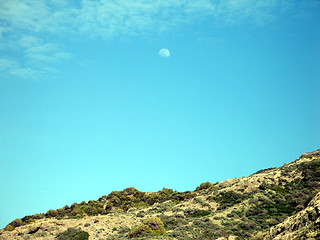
x: 268, y: 204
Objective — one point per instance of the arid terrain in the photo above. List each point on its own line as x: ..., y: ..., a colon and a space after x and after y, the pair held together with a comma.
x: 275, y: 203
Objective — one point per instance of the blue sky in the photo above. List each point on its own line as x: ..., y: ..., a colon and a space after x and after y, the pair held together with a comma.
x: 87, y: 105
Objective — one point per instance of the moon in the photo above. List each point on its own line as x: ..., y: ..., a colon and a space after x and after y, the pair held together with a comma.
x: 165, y: 53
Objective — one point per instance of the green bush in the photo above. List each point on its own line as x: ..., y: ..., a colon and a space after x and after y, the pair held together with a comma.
x: 149, y: 226
x: 166, y: 192
x: 204, y: 185
x: 156, y: 225
x: 38, y: 216
x: 9, y: 228
x: 73, y: 234
x: 229, y: 198
x: 173, y: 221
x: 278, y: 189
x: 131, y: 191
x: 195, y: 213
x: 16, y: 223
x: 140, y: 230
x: 51, y: 213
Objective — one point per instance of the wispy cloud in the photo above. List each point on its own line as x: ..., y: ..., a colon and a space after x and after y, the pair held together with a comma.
x: 24, y: 28
x: 37, y: 50
x: 14, y: 68
x: 110, y: 18
x: 25, y: 25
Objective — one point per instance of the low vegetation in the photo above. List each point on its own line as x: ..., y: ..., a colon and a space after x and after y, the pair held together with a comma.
x: 116, y: 201
x: 150, y: 226
x: 73, y: 234
x: 209, y: 212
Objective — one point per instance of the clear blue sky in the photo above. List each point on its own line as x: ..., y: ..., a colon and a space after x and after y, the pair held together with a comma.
x: 87, y: 105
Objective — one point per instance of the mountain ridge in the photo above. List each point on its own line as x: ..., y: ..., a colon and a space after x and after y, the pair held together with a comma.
x: 265, y: 205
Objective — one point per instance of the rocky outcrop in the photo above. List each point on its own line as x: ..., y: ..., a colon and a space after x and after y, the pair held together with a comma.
x: 303, y: 225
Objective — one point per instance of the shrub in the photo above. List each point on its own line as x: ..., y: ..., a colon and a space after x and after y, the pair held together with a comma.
x: 173, y: 221
x: 149, y: 226
x: 38, y: 216
x: 51, y: 213
x: 141, y: 214
x: 166, y: 192
x: 131, y: 191
x: 9, y: 228
x: 73, y: 234
x: 284, y: 207
x: 123, y: 230
x: 140, y: 230
x: 66, y: 207
x: 204, y: 185
x: 27, y: 219
x: 195, y: 213
x: 156, y: 225
x: 140, y: 204
x: 278, y: 189
x: 16, y: 223
x: 229, y: 198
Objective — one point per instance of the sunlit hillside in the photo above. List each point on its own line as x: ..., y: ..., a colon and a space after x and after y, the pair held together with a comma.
x: 274, y: 203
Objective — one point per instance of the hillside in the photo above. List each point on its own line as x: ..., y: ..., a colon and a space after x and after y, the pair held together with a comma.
x: 274, y: 203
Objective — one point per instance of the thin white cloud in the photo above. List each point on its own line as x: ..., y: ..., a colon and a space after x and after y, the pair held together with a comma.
x: 27, y: 41
x: 29, y: 73
x: 27, y: 15
x: 249, y: 11
x: 23, y: 28
x: 9, y: 67
x: 6, y: 64
x: 36, y: 57
x: 108, y: 18
x: 111, y: 18
x: 25, y: 24
x: 45, y: 52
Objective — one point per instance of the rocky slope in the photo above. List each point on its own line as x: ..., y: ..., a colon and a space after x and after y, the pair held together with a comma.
x: 275, y: 203
x: 303, y: 225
